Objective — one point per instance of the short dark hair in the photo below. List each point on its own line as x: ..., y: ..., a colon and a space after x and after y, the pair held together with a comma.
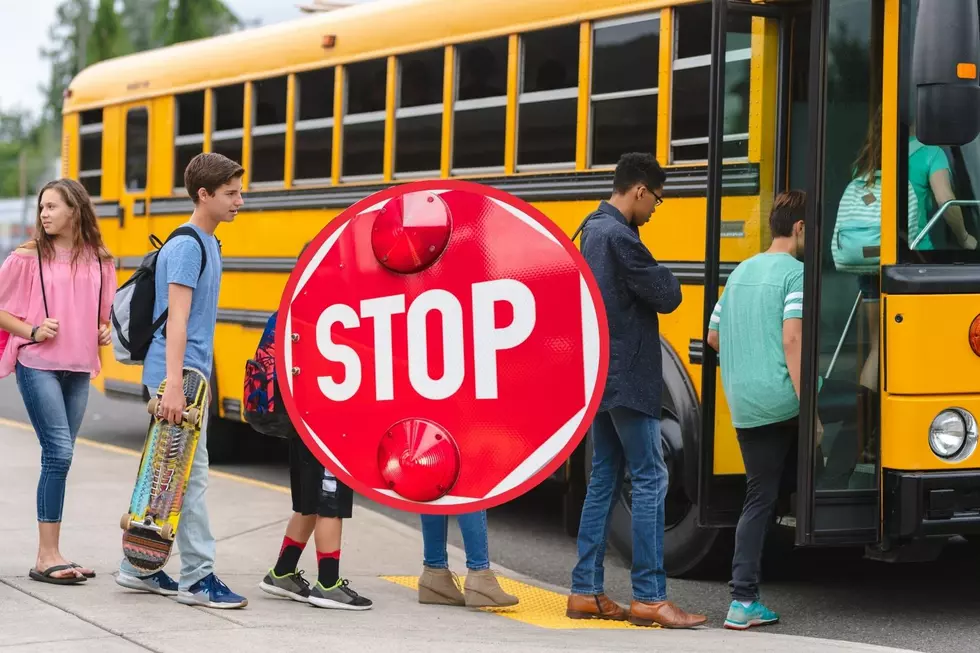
x: 787, y: 209
x: 638, y: 168
x: 209, y: 171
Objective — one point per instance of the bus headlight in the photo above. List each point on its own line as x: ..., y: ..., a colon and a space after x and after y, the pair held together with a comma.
x: 953, y: 434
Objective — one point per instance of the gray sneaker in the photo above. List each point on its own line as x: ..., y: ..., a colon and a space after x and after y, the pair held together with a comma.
x: 338, y: 597
x: 289, y: 586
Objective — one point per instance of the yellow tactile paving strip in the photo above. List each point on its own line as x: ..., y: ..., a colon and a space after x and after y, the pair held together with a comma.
x: 538, y: 607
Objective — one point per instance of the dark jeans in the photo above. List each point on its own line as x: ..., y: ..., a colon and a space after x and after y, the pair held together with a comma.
x: 624, y: 439
x: 55, y: 403
x: 769, y: 455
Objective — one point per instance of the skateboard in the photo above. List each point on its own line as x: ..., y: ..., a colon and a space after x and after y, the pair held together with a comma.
x: 150, y: 526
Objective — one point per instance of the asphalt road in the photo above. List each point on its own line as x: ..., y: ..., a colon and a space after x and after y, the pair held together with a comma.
x: 931, y: 607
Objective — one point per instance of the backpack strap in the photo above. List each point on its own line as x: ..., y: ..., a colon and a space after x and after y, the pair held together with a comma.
x: 190, y: 231
x: 40, y: 272
x: 180, y: 231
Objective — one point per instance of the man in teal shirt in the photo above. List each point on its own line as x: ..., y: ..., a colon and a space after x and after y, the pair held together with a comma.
x: 757, y: 329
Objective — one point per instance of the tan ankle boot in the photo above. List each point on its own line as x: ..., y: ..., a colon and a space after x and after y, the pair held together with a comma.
x: 439, y: 587
x: 483, y: 591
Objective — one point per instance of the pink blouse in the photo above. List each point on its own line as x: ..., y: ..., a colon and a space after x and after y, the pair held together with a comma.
x: 73, y: 300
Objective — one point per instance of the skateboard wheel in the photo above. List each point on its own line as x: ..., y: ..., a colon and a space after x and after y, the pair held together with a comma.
x: 167, y: 531
x: 151, y: 407
x: 124, y: 522
x: 192, y: 415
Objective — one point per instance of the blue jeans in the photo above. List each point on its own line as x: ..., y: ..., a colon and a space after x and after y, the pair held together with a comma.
x: 194, y: 539
x: 55, y: 403
x: 473, y: 528
x: 624, y: 438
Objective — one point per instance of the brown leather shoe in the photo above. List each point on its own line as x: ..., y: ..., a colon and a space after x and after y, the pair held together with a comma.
x: 663, y: 613
x: 594, y: 606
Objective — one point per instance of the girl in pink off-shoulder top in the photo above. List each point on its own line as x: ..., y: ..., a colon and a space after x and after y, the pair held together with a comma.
x: 55, y: 296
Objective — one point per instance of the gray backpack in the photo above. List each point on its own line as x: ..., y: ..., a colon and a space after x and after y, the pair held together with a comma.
x: 133, y: 325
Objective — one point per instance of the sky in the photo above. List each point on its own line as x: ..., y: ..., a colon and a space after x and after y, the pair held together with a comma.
x: 24, y: 30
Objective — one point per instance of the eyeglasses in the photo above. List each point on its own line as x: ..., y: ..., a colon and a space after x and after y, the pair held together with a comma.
x: 659, y: 198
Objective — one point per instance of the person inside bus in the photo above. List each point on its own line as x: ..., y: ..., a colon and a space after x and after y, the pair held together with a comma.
x: 55, y: 294
x: 626, y: 430
x: 757, y: 329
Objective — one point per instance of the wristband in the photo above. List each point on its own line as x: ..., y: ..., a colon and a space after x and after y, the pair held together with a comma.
x: 33, y: 334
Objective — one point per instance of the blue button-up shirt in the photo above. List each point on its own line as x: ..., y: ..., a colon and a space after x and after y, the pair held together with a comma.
x: 634, y: 289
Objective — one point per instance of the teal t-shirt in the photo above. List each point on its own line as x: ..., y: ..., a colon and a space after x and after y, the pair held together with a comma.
x: 761, y: 293
x: 925, y: 161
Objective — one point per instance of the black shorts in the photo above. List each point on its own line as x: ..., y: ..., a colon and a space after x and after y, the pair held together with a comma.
x: 314, y: 489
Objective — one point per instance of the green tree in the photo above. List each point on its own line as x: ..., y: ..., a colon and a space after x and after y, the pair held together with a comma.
x: 107, y: 38
x: 22, y: 139
x: 186, y: 20
x: 68, y: 36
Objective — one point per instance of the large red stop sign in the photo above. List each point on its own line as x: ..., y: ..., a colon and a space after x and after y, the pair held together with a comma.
x: 441, y: 347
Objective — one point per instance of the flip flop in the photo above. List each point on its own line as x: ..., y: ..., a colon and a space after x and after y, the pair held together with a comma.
x: 46, y: 577
x: 78, y: 566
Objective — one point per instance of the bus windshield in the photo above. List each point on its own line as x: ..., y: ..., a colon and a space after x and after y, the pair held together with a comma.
x: 940, y: 221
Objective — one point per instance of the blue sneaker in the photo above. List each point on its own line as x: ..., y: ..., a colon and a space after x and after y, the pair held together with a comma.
x: 158, y: 583
x: 742, y: 618
x: 210, y: 592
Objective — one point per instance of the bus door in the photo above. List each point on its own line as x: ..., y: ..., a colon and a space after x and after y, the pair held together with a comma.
x: 134, y: 228
x: 721, y: 477
x: 838, y: 466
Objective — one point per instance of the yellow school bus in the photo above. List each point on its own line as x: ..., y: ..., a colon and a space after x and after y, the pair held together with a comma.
x: 739, y: 100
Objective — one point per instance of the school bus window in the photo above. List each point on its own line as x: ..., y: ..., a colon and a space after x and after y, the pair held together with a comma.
x: 314, y: 126
x: 189, y: 137
x: 625, y: 84
x: 229, y: 120
x: 480, y: 110
x: 90, y: 151
x: 364, y: 120
x: 691, y: 65
x: 137, y: 126
x: 268, y: 131
x: 548, y: 101
x: 418, y: 118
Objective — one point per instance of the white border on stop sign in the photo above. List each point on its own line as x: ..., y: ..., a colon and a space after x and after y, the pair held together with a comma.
x: 554, y: 444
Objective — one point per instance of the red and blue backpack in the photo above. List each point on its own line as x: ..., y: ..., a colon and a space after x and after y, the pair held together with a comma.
x: 264, y: 409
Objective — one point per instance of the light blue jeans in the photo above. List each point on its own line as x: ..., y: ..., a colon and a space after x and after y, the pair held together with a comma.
x: 55, y: 403
x: 473, y: 528
x: 624, y: 439
x: 194, y: 539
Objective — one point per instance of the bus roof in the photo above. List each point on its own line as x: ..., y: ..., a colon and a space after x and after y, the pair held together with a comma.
x: 365, y: 31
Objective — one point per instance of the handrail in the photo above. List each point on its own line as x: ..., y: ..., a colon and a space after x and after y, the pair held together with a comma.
x: 939, y: 214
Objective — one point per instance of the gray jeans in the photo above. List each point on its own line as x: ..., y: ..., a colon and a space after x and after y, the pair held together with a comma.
x: 194, y: 539
x: 769, y: 455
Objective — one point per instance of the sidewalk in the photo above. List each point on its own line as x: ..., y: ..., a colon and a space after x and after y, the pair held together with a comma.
x: 381, y: 557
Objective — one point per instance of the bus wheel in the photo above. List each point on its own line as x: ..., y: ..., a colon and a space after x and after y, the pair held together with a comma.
x: 689, y: 551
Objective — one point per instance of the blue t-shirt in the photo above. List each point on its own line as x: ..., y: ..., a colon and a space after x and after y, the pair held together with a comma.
x: 179, y: 261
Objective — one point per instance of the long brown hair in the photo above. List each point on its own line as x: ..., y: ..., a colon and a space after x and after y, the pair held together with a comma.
x: 869, y: 158
x: 86, y: 236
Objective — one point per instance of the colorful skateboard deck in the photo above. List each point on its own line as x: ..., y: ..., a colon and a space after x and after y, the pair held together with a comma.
x: 150, y: 526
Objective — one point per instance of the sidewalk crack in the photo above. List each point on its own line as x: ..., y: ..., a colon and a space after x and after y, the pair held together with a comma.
x: 277, y: 522
x: 106, y: 629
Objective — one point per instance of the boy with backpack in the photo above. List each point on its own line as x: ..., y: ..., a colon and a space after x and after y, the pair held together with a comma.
x: 320, y: 501
x: 164, y: 318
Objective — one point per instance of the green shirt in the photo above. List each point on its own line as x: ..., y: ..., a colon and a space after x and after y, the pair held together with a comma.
x: 761, y: 293
x: 925, y: 161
